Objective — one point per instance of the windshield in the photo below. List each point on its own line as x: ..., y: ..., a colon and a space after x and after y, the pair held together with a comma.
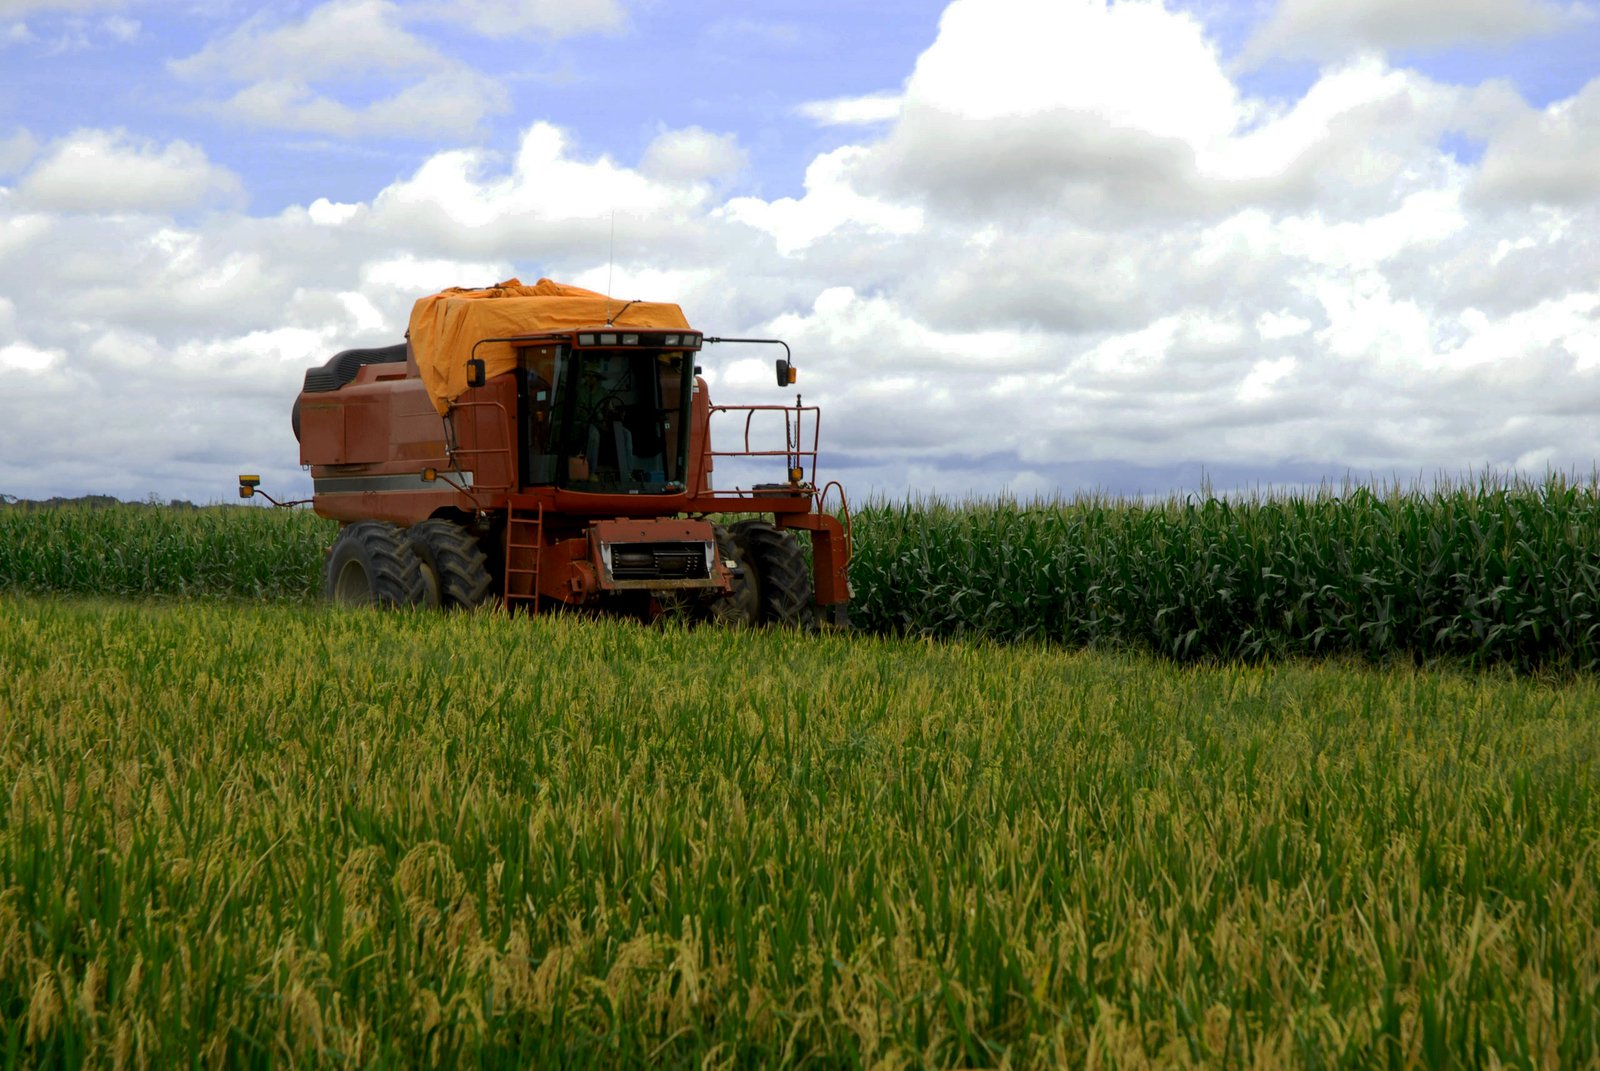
x: 608, y: 421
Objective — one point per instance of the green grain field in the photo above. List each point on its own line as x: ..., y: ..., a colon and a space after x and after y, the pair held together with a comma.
x: 242, y: 835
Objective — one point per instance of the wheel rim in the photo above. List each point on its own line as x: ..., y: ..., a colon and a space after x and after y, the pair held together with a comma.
x: 433, y: 590
x: 742, y: 607
x: 353, y: 587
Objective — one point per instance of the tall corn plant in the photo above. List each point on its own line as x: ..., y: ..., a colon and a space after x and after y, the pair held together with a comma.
x: 1496, y: 571
x: 151, y: 550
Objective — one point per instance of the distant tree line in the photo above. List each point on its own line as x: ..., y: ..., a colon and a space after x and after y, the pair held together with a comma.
x: 90, y: 502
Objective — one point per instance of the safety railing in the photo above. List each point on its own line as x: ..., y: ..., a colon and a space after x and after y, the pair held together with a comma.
x: 833, y: 493
x: 456, y: 453
x: 802, y: 430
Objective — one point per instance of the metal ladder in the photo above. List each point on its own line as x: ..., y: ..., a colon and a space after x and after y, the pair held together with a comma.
x: 524, y: 533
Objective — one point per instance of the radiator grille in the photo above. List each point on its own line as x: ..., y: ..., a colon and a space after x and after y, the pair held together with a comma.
x: 658, y: 561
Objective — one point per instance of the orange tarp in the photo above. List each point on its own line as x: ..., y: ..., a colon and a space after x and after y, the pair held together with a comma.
x: 445, y: 326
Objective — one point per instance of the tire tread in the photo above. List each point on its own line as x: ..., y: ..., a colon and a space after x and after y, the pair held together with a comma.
x: 456, y: 558
x: 394, y: 574
x: 784, y: 588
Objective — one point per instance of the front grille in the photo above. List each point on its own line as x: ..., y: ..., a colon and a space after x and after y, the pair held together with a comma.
x: 658, y: 561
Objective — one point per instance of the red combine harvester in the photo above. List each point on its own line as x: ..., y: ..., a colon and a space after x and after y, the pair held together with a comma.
x: 550, y: 445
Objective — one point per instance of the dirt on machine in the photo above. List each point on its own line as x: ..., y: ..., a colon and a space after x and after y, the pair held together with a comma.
x: 550, y: 446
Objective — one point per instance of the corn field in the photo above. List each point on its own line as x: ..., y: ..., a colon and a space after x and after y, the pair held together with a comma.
x: 151, y: 550
x: 1492, y: 573
x: 286, y: 835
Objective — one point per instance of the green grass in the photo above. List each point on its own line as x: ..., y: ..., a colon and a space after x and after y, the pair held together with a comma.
x: 289, y: 835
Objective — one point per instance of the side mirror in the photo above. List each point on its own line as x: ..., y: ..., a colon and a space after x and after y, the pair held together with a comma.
x: 475, y: 372
x: 786, y: 373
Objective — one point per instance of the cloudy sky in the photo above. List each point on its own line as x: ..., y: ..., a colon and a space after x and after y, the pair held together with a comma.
x: 1017, y: 245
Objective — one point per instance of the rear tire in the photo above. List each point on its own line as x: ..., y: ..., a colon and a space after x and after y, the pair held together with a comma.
x: 453, y: 564
x: 785, y: 595
x: 371, y: 565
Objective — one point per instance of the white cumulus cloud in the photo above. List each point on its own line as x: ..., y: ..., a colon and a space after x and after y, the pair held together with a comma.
x: 853, y: 111
x: 317, y: 74
x: 113, y: 171
x: 832, y: 203
x: 19, y: 8
x: 1321, y: 30
x: 499, y: 18
x: 1551, y: 155
x: 16, y: 150
x: 21, y: 357
x: 693, y: 154
x: 452, y: 103
x: 338, y: 40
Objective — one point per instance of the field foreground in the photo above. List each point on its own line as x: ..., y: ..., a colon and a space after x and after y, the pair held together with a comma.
x: 285, y: 834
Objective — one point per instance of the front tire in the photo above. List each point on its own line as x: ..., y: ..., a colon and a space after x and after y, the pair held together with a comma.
x: 742, y: 607
x: 785, y: 594
x: 453, y: 565
x: 371, y: 565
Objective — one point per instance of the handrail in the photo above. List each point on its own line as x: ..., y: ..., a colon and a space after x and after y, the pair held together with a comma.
x: 794, y: 452
x: 846, y: 521
x: 454, y: 452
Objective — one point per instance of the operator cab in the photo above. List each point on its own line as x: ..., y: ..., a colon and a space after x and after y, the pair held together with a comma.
x: 607, y: 412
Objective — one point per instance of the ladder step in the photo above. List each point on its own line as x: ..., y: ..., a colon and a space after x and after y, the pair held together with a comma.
x: 530, y: 528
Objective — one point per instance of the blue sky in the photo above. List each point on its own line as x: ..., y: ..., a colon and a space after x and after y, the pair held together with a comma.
x: 1019, y: 245
x: 725, y: 67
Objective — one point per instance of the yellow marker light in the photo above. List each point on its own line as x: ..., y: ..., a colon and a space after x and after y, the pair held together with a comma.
x: 796, y: 475
x: 429, y: 475
x: 794, y: 374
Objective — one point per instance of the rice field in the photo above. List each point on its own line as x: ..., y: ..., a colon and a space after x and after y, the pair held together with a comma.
x: 283, y: 835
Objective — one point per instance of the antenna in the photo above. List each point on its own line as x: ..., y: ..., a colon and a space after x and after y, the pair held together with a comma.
x: 611, y: 260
